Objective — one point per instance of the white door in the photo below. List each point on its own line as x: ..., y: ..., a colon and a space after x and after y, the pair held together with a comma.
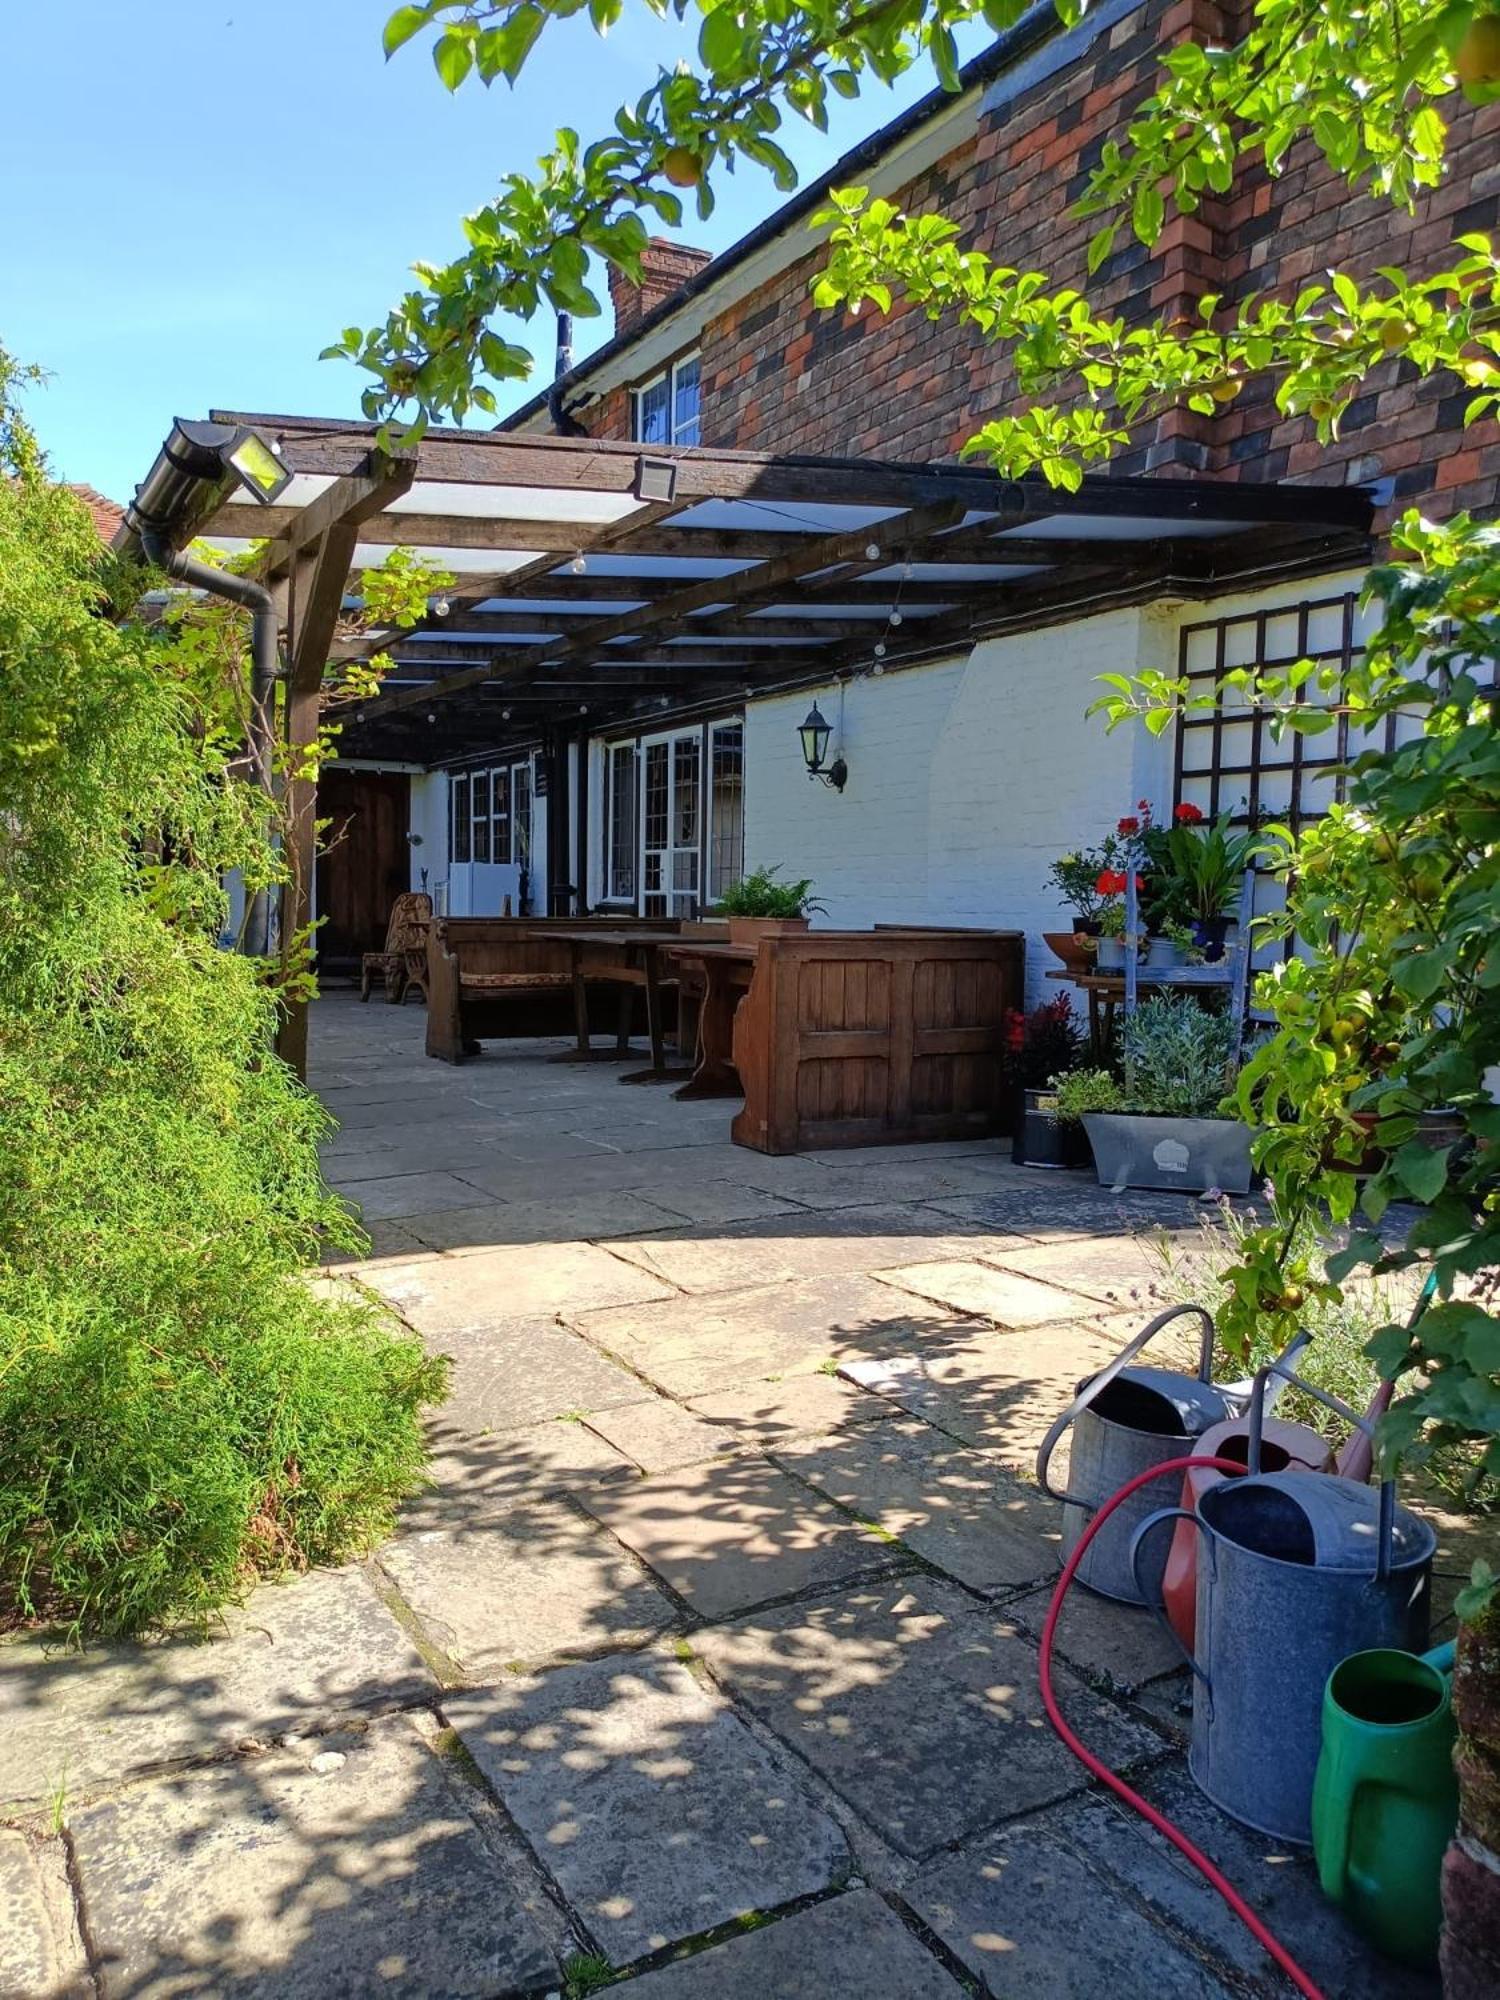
x: 671, y: 823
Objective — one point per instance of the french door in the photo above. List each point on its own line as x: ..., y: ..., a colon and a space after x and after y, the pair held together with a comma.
x: 671, y: 821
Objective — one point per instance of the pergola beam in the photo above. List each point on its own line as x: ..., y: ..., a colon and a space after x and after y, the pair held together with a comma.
x: 351, y: 501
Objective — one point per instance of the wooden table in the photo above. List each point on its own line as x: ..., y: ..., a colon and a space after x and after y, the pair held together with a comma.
x: 631, y: 961
x: 727, y: 972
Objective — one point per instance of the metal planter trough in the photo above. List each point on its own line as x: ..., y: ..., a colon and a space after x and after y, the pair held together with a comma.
x: 1189, y: 1155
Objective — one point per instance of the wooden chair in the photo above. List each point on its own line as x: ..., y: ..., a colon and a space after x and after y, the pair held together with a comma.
x: 403, y: 963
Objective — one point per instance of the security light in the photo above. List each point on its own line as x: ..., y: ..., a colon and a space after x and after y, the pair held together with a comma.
x: 655, y: 479
x: 814, y: 733
x: 259, y: 470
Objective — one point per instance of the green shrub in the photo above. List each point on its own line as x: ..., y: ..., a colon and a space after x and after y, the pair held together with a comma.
x: 1179, y: 1058
x: 180, y: 1410
x: 1082, y: 1091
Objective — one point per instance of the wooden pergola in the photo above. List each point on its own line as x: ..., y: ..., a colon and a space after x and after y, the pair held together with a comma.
x: 594, y: 581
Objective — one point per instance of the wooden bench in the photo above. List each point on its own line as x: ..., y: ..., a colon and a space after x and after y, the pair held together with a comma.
x: 490, y: 978
x: 866, y: 1038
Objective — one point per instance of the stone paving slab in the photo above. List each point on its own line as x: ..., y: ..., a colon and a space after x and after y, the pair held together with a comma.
x: 648, y: 1800
x: 292, y: 1656
x: 852, y: 1947
x: 1278, y: 1882
x: 397, y: 1196
x: 997, y: 1390
x: 946, y: 1501
x: 736, y: 1533
x: 1026, y: 1915
x: 690, y: 1347
x: 659, y: 1435
x: 770, y: 1413
x: 474, y: 1477
x: 342, y: 1867
x: 1121, y: 1643
x: 526, y: 1371
x: 579, y: 1218
x: 809, y: 1244
x: 1070, y: 1205
x: 1114, y: 1270
x: 36, y: 1963
x: 526, y: 1587
x: 442, y: 1296
x: 919, y: 1707
x: 713, y: 1201
x: 969, y: 1287
x: 387, y: 1240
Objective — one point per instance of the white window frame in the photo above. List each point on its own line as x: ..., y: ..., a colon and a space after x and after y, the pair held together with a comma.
x: 669, y: 375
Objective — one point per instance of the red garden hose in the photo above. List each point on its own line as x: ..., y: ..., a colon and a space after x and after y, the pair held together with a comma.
x: 1117, y: 1785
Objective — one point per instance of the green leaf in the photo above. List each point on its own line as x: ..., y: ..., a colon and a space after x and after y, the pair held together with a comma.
x: 1148, y: 212
x: 453, y: 58
x: 400, y: 28
x: 1478, y: 1594
x: 1388, y: 1349
x: 1423, y: 1170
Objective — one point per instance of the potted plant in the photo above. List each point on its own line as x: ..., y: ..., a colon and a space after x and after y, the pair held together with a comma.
x: 1165, y: 1132
x: 758, y: 906
x: 1075, y: 878
x: 1039, y: 1047
x: 1209, y: 861
x: 1111, y: 885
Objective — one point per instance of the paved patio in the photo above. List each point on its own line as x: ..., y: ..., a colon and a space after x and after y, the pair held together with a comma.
x: 711, y: 1653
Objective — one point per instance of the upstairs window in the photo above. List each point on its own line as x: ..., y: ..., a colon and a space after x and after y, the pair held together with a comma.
x: 668, y: 409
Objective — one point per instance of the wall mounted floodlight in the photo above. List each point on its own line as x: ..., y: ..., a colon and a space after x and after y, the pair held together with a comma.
x: 257, y: 467
x: 814, y: 734
x: 655, y: 479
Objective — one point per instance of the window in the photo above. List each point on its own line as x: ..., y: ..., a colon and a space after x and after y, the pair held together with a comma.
x: 459, y: 798
x: 481, y: 815
x: 520, y: 805
x: 620, y: 823
x: 669, y: 410
x: 726, y: 807
x: 500, y: 813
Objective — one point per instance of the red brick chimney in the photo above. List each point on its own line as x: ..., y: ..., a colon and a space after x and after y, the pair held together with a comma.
x: 665, y: 269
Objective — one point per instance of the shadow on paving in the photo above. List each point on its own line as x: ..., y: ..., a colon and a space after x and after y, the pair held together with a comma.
x: 340, y: 1865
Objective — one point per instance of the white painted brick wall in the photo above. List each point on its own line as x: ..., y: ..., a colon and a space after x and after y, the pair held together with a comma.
x: 966, y: 780
x: 429, y: 820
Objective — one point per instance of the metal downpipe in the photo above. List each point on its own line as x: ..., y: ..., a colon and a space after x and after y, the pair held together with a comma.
x: 265, y: 667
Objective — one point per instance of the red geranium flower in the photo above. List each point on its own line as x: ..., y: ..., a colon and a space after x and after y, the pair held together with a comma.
x: 1129, y: 825
x: 1111, y: 882
x: 1187, y: 814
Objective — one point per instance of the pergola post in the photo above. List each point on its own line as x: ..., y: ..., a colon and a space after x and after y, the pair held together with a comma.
x: 317, y: 594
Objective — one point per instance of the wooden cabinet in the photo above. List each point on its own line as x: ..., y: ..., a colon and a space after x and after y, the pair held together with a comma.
x: 863, y: 1038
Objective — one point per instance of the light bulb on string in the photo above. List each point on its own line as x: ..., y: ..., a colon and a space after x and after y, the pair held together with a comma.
x: 880, y: 649
x: 872, y: 551
x: 579, y: 564
x: 896, y: 618
x: 442, y: 608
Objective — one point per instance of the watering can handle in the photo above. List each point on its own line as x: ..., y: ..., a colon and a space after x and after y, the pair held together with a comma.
x: 1107, y: 1374
x: 1158, y: 1610
x: 1387, y: 1531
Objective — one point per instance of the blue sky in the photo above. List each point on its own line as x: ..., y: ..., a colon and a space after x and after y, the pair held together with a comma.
x: 117, y: 149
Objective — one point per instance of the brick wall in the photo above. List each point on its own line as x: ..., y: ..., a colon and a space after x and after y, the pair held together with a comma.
x: 780, y: 376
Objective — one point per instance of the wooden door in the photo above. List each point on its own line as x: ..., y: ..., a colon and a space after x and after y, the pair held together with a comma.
x: 366, y: 862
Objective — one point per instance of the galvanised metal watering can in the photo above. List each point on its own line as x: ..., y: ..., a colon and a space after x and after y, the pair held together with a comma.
x: 1294, y: 1574
x: 1284, y: 1447
x: 1126, y: 1420
x: 1385, y: 1797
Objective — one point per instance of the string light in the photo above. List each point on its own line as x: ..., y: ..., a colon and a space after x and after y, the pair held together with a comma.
x: 505, y: 715
x: 431, y: 717
x: 906, y: 572
x: 442, y: 607
x: 579, y: 564
x: 872, y: 550
x: 878, y: 669
x: 895, y: 617
x: 880, y: 649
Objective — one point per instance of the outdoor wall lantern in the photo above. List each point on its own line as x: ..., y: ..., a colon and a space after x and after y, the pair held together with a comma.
x: 257, y: 467
x: 815, y: 733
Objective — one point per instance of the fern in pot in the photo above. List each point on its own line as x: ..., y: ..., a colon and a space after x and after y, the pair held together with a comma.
x: 1164, y: 1129
x: 759, y: 905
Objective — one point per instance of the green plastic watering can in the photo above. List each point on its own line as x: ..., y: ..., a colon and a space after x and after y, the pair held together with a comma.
x: 1385, y: 1798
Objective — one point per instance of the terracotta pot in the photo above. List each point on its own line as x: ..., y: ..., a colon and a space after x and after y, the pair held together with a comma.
x: 750, y: 930
x: 1066, y: 945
